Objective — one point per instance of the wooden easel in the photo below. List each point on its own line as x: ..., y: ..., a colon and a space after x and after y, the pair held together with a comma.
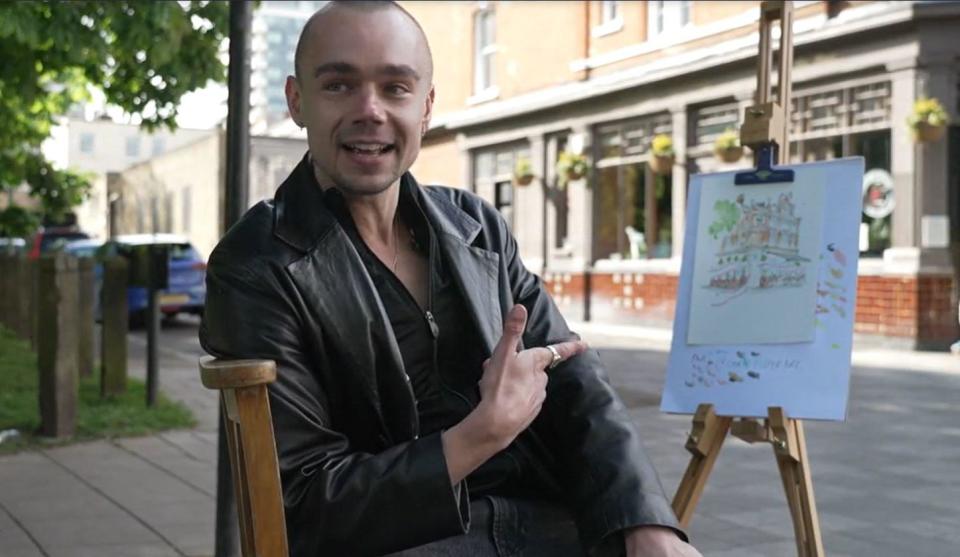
x: 765, y: 130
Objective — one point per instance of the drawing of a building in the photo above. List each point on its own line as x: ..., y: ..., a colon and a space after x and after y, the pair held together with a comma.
x: 762, y: 249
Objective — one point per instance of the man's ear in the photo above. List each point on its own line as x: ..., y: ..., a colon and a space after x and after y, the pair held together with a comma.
x: 292, y: 90
x: 428, y: 112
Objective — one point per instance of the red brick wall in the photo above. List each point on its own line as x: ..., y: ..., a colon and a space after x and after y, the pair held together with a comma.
x: 912, y: 307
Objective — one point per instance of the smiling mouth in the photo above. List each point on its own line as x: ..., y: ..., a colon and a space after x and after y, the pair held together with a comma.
x: 368, y: 148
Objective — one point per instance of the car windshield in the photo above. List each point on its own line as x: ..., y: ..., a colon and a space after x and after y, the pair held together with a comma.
x: 57, y: 240
x: 178, y: 252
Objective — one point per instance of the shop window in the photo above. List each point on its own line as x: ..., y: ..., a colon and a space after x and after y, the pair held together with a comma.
x: 493, y: 176
x: 633, y: 206
x: 874, y: 147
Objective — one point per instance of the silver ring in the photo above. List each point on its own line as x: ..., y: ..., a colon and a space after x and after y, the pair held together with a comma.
x: 557, y: 358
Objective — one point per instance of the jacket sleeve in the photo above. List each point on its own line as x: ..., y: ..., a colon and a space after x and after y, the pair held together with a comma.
x: 602, y: 464
x: 338, y: 500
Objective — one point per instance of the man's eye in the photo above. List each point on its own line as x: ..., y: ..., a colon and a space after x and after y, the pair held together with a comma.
x: 398, y: 89
x: 336, y: 87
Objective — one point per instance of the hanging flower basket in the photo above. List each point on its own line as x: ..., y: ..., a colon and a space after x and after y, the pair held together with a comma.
x: 925, y: 133
x: 571, y: 166
x: 523, y: 172
x: 662, y: 164
x: 662, y: 150
x: 928, y: 121
x: 727, y: 146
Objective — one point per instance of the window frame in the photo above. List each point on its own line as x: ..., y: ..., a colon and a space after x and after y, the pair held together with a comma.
x: 484, y: 53
x: 665, y: 16
x: 611, y: 19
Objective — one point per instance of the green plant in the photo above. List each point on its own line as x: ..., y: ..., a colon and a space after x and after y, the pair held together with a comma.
x: 522, y: 171
x: 571, y: 166
x: 662, y: 145
x: 523, y: 168
x: 729, y: 139
x: 121, y: 415
x: 928, y: 111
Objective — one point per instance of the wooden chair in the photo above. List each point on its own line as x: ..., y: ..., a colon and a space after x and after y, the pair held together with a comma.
x: 253, y: 451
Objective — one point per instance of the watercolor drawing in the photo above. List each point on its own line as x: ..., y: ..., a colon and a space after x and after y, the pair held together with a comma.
x: 759, y: 247
x: 756, y: 263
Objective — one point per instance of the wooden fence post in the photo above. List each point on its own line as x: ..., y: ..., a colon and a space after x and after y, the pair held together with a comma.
x: 113, y: 335
x: 85, y: 318
x: 56, y: 343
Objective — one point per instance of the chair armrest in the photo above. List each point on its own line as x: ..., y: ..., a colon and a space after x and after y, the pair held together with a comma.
x: 235, y: 374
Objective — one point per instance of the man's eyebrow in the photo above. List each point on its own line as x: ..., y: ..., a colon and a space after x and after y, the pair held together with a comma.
x: 334, y: 67
x: 399, y: 70
x: 394, y: 70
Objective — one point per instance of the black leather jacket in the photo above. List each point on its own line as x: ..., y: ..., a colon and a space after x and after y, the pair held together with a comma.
x: 287, y: 284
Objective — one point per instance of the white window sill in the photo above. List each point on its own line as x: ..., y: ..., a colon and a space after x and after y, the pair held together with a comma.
x: 607, y: 28
x: 488, y: 94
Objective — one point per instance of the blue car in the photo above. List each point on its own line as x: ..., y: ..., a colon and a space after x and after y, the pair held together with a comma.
x: 186, y: 290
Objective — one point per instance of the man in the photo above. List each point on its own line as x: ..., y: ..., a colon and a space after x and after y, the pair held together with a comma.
x: 406, y: 419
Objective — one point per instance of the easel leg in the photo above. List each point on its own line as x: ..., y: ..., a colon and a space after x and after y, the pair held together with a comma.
x: 790, y: 449
x: 706, y: 438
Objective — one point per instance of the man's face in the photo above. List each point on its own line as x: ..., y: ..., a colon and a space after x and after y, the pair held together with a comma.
x: 364, y: 96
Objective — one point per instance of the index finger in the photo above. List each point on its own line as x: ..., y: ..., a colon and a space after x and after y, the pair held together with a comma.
x: 566, y: 350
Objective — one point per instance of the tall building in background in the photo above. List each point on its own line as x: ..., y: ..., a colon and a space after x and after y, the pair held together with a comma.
x: 276, y: 28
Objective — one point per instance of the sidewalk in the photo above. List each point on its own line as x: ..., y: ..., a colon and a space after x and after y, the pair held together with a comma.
x: 885, y: 480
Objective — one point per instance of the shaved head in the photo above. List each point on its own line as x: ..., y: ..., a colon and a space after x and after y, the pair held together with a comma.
x: 357, y: 6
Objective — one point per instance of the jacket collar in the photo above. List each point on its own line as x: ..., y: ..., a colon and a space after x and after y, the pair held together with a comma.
x: 302, y: 218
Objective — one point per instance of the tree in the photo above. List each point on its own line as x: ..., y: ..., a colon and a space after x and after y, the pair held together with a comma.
x: 143, y: 55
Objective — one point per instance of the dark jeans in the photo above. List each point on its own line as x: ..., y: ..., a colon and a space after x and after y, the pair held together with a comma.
x: 508, y: 527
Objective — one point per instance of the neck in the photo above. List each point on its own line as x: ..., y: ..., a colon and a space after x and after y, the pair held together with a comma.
x: 374, y: 215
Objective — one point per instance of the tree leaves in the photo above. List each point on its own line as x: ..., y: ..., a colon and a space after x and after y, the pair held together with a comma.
x: 143, y: 55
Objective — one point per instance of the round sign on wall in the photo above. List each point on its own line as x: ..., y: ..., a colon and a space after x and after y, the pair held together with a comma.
x: 878, y: 200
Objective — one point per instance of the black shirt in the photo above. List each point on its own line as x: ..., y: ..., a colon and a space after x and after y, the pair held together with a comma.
x: 439, y: 344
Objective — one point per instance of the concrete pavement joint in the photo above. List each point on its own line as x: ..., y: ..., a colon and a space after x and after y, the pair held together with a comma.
x: 180, y: 449
x: 162, y: 469
x: 101, y: 493
x: 24, y: 530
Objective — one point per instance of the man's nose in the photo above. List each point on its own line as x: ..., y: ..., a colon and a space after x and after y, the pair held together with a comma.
x: 370, y: 106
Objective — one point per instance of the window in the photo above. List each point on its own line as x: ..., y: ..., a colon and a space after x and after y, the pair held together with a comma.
x: 633, y: 206
x: 667, y: 15
x: 159, y: 146
x: 609, y: 11
x: 493, y: 176
x: 484, y: 33
x: 86, y: 143
x: 133, y: 146
x: 611, y: 20
x: 846, y: 122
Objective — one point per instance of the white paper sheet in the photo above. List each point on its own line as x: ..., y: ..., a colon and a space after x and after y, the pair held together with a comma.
x: 755, y: 266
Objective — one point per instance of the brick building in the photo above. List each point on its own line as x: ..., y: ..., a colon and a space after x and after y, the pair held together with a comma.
x: 532, y: 79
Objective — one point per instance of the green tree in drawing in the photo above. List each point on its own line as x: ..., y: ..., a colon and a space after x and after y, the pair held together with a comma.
x: 727, y: 216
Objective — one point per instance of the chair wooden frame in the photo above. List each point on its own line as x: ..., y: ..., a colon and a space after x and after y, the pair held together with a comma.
x: 253, y: 451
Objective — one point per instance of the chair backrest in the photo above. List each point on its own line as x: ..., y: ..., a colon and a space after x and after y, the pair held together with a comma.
x: 253, y: 451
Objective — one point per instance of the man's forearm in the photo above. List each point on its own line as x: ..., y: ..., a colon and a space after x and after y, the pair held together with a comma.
x: 468, y: 445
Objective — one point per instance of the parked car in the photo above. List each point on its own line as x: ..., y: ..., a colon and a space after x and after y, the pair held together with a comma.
x: 12, y: 245
x: 54, y: 237
x: 186, y: 290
